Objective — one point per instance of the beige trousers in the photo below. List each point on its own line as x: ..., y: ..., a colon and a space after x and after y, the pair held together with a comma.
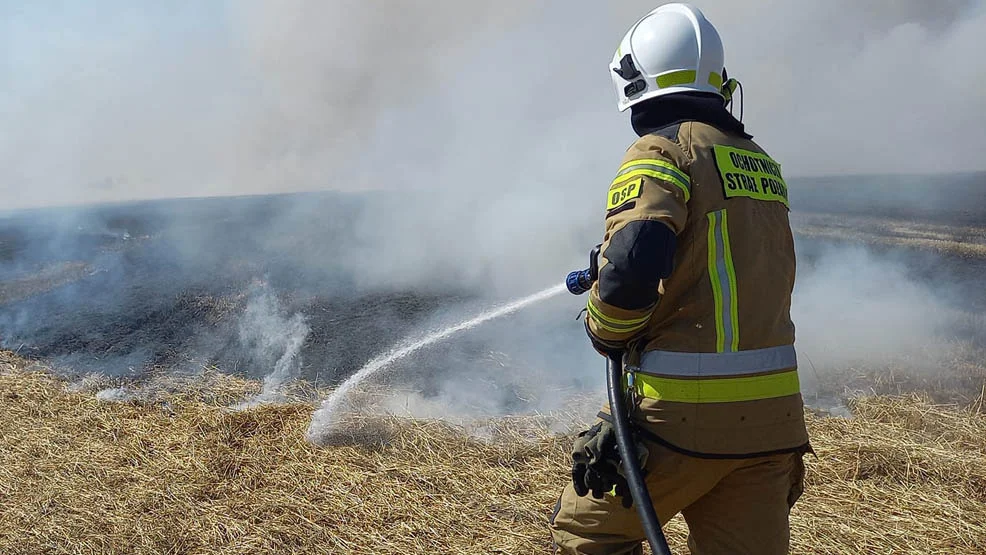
x: 738, y: 506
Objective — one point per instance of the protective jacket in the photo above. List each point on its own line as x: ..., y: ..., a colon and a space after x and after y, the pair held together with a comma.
x: 696, y: 273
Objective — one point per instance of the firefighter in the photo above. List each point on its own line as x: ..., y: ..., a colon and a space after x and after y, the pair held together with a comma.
x: 694, y: 289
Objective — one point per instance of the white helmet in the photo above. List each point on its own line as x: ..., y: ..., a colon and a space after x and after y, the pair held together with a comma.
x: 671, y: 49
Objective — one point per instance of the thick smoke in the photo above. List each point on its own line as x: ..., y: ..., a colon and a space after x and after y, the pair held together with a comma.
x: 502, y: 112
x: 249, y: 97
x: 472, y: 140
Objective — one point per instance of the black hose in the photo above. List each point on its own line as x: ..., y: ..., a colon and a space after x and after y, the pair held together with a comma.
x: 628, y: 452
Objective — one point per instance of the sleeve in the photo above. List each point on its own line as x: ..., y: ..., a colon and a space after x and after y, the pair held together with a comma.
x: 646, y: 208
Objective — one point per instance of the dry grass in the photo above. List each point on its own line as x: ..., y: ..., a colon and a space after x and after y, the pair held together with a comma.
x: 944, y: 372
x: 964, y: 241
x: 183, y: 474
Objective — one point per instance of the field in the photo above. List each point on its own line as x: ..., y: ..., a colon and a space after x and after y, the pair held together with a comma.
x: 185, y: 474
x: 124, y: 359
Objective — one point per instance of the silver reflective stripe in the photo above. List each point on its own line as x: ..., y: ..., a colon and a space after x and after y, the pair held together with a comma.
x: 737, y: 363
x: 723, y: 279
x: 727, y: 291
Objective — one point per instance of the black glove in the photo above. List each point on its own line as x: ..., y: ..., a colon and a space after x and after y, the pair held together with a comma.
x: 596, y: 464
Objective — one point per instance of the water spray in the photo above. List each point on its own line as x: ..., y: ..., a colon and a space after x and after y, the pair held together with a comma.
x: 324, y: 418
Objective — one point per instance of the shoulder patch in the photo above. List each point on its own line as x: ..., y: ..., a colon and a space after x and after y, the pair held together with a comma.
x: 624, y: 192
x: 750, y: 174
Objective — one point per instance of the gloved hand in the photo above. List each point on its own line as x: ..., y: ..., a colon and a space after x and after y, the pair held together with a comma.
x: 597, y: 465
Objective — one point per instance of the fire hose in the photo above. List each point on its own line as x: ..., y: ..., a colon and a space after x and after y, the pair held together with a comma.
x: 579, y: 282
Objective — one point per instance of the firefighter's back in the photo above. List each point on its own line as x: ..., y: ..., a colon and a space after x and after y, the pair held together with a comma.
x: 719, y: 370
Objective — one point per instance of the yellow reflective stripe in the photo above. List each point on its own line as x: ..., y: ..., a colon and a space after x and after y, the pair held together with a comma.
x: 658, y: 169
x: 722, y: 275
x: 657, y: 175
x: 681, y: 77
x: 731, y: 272
x: 615, y: 325
x: 715, y: 79
x: 653, y: 162
x: 718, y: 390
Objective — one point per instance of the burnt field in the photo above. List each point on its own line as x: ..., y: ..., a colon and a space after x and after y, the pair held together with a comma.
x: 136, y: 289
x: 121, y: 289
x: 178, y: 287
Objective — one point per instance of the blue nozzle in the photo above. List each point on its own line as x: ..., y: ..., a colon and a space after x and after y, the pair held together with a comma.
x: 579, y: 281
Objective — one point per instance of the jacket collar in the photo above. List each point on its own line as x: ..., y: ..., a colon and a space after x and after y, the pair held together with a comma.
x: 664, y: 111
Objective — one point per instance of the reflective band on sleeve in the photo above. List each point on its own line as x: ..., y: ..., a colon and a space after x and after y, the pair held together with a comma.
x: 718, y: 390
x: 722, y: 275
x: 754, y: 361
x: 658, y: 169
x: 661, y: 164
x: 615, y: 325
x: 681, y: 77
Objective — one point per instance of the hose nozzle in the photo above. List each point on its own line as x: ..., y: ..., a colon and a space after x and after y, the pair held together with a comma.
x: 580, y: 281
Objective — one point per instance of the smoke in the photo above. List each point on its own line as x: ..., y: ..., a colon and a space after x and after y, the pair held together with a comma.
x: 882, y: 86
x: 501, y: 115
x: 252, y: 97
x: 114, y: 395
x: 465, y: 146
x: 196, y: 100
x: 274, y: 340
x: 853, y: 307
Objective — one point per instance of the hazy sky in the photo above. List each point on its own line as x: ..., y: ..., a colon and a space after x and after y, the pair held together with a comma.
x: 110, y: 100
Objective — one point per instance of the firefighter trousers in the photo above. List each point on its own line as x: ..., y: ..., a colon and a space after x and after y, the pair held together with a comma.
x: 731, y: 506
